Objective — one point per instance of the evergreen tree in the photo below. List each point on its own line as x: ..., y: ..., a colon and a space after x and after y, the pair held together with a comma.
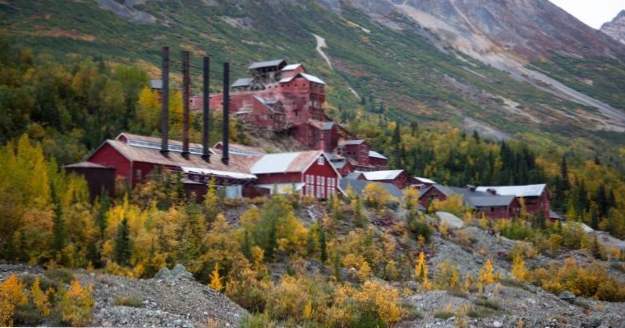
x: 397, y: 146
x: 322, y: 245
x: 272, y: 241
x: 246, y: 247
x: 58, y: 223
x: 122, y: 251
x: 601, y: 198
x: 103, y: 208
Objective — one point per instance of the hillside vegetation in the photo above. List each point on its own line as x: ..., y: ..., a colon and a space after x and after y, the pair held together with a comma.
x: 396, y: 66
x: 289, y: 260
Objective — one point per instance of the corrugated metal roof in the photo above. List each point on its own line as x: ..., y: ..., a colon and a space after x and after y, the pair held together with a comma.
x: 359, y: 186
x: 375, y: 154
x: 308, y: 77
x: 267, y: 63
x: 519, y: 191
x: 474, y: 199
x: 382, y: 175
x: 147, y: 153
x: 244, y: 82
x: 425, y: 180
x: 285, y: 162
x: 218, y: 173
x: 351, y: 142
x: 291, y: 67
x: 87, y: 165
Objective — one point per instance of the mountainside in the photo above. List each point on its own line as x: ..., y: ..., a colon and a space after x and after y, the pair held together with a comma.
x: 616, y: 28
x: 506, y: 68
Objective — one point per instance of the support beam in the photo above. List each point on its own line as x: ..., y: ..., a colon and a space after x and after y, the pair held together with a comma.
x: 226, y: 119
x: 206, y: 110
x: 186, y: 96
x: 165, y: 101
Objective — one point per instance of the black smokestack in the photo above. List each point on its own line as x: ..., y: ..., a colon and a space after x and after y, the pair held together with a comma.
x: 226, y: 121
x: 205, y: 110
x: 186, y: 94
x: 165, y: 101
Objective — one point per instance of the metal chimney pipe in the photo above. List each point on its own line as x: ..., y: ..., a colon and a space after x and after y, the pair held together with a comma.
x: 206, y: 110
x: 186, y: 94
x: 165, y: 101
x: 226, y: 119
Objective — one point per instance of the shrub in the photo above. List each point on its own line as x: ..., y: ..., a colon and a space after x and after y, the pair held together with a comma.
x: 130, y: 301
x: 589, y: 281
x: 419, y: 228
x: 519, y: 271
x: 76, y: 305
x: 61, y: 276
x: 258, y: 321
x: 447, y: 276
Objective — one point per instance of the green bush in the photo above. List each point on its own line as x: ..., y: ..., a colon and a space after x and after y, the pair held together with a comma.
x: 131, y: 301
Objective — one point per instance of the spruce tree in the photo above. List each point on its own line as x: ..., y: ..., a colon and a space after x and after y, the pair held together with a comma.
x: 122, y: 251
x: 246, y: 247
x: 105, y: 205
x: 397, y: 152
x: 58, y: 223
x: 322, y: 245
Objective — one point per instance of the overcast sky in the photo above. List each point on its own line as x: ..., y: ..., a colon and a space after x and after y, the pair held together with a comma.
x: 592, y: 12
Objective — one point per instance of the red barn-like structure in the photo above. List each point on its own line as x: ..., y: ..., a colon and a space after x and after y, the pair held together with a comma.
x: 285, y: 98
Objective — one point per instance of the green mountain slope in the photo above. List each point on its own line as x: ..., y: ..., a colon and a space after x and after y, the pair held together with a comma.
x: 405, y: 68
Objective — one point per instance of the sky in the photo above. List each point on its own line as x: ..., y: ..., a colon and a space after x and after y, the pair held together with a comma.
x: 592, y: 12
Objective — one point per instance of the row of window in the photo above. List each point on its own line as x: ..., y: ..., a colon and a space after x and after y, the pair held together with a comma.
x: 319, y: 186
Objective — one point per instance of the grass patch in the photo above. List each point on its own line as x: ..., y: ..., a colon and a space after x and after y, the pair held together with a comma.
x: 477, y: 312
x: 131, y: 301
x: 60, y: 275
x: 488, y: 303
x: 443, y: 314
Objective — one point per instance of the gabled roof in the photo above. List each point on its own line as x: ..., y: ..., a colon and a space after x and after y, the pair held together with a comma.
x: 147, y: 150
x: 308, y: 77
x: 382, y: 175
x: 474, y: 199
x: 291, y: 67
x: 535, y: 190
x: 243, y: 82
x: 359, y: 186
x: 267, y: 63
x: 375, y: 154
x: 425, y: 180
x: 285, y: 162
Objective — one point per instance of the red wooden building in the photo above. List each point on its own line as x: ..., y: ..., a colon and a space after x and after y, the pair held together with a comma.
x: 534, y: 197
x: 491, y: 205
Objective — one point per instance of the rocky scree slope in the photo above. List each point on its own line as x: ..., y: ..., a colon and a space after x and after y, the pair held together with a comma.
x: 171, y: 299
x: 616, y: 28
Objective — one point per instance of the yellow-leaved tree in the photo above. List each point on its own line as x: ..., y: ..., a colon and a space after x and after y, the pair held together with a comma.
x: 487, y: 275
x: 77, y: 305
x: 40, y: 298
x: 421, y: 272
x: 11, y: 295
x: 215, y: 282
x: 519, y: 271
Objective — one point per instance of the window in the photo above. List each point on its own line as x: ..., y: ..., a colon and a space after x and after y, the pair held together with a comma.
x: 331, y: 186
x: 321, y: 160
x: 310, y: 185
x: 322, y: 188
x: 138, y: 174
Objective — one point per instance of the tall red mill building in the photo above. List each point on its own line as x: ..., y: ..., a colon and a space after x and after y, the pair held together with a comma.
x: 279, y: 97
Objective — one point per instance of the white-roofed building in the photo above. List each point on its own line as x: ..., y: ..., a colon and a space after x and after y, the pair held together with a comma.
x: 308, y: 172
x: 535, y: 197
x: 397, y: 177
